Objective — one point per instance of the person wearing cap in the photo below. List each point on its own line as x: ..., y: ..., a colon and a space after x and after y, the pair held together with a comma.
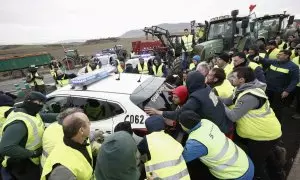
x: 216, y: 79
x: 71, y: 158
x: 203, y: 101
x: 257, y: 127
x: 142, y: 67
x: 195, y: 61
x: 296, y: 60
x: 272, y: 50
x: 224, y: 159
x: 159, y: 150
x: 240, y: 60
x: 158, y: 68
x: 6, y: 106
x: 35, y: 80
x: 21, y: 138
x: 282, y: 78
x: 223, y: 61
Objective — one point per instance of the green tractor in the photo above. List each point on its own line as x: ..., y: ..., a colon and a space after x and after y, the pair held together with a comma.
x: 224, y: 33
x: 269, y: 26
x: 73, y: 59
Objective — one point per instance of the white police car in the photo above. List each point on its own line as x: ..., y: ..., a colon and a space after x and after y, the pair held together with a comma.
x: 108, y: 98
x: 135, y: 60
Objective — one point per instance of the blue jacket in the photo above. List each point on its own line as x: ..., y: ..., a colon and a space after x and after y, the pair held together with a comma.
x: 202, y: 101
x: 281, y: 76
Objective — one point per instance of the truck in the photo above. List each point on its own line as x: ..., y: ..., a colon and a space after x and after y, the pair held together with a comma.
x: 16, y: 66
x: 268, y: 27
x: 224, y: 33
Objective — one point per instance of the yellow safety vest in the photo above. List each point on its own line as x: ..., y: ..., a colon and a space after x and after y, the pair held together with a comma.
x: 293, y: 55
x: 159, y: 72
x: 52, y: 136
x: 225, y: 90
x: 141, y: 70
x: 3, y: 109
x: 280, y: 46
x: 71, y: 159
x: 253, y: 65
x: 120, y: 69
x: 258, y: 124
x: 228, y: 69
x: 35, y: 130
x: 166, y: 157
x: 36, y: 80
x: 192, y: 66
x: 89, y: 69
x: 63, y: 82
x: 188, y: 42
x: 296, y: 61
x: 224, y: 159
x: 273, y: 54
x: 263, y: 55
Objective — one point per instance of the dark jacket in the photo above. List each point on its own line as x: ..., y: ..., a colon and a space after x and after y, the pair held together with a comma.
x: 203, y: 102
x: 258, y: 71
x: 117, y: 158
x: 281, y: 75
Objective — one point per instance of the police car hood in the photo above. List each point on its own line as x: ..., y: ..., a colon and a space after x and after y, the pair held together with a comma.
x: 251, y: 85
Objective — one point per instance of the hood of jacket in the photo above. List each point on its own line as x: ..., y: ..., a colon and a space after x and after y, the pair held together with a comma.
x: 155, y: 123
x: 195, y: 80
x: 117, y: 158
x: 251, y: 85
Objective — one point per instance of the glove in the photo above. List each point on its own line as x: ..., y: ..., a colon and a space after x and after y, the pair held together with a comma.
x: 256, y: 59
x: 37, y: 153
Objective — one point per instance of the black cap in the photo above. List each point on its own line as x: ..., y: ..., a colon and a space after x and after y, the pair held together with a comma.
x: 224, y: 56
x: 240, y: 54
x: 34, y: 95
x: 189, y: 119
x: 6, y: 100
x: 272, y: 42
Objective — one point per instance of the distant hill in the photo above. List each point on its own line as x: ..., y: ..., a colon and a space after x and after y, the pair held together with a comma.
x: 172, y: 28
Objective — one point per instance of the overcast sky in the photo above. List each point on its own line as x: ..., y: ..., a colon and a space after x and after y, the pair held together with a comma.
x: 35, y: 21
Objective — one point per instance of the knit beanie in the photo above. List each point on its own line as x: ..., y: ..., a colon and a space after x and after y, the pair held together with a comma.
x: 197, y: 58
x: 189, y: 119
x: 182, y: 93
x: 6, y: 100
x: 34, y: 95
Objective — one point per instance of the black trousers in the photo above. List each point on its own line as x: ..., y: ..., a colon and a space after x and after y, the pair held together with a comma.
x: 297, y: 99
x: 277, y: 103
x: 258, y: 151
x: 23, y: 170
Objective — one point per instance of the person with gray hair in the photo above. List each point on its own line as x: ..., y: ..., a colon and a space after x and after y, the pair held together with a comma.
x: 203, y: 68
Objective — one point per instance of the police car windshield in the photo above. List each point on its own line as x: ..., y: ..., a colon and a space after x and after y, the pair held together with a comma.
x: 151, y: 93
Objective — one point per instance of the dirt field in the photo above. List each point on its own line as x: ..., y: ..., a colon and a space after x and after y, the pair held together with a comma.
x: 57, y: 50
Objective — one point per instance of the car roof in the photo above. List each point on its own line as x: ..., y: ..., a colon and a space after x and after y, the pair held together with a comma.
x: 126, y: 85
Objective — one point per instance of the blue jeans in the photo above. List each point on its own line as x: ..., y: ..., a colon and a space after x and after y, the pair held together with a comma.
x: 184, y: 60
x: 249, y: 174
x: 5, y: 174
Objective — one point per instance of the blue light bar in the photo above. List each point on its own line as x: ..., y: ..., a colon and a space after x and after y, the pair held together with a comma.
x: 93, y: 76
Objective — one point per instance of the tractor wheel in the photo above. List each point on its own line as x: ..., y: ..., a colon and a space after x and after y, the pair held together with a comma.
x: 69, y: 63
x: 176, y: 68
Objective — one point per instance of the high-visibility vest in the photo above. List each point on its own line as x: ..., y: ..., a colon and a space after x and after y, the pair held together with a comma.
x: 120, y: 69
x: 296, y: 61
x: 280, y: 46
x: 143, y: 70
x: 63, y: 82
x: 225, y: 90
x: 52, y: 136
x: 293, y: 55
x: 3, y: 109
x: 192, y: 66
x: 70, y: 158
x: 258, y: 124
x: 166, y: 157
x: 36, y: 80
x: 89, y: 69
x: 273, y: 54
x: 253, y: 65
x: 224, y: 159
x: 35, y: 130
x: 159, y: 72
x: 188, y: 42
x: 263, y: 55
x: 228, y: 69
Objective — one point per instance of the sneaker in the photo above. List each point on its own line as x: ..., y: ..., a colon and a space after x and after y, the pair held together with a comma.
x: 296, y: 116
